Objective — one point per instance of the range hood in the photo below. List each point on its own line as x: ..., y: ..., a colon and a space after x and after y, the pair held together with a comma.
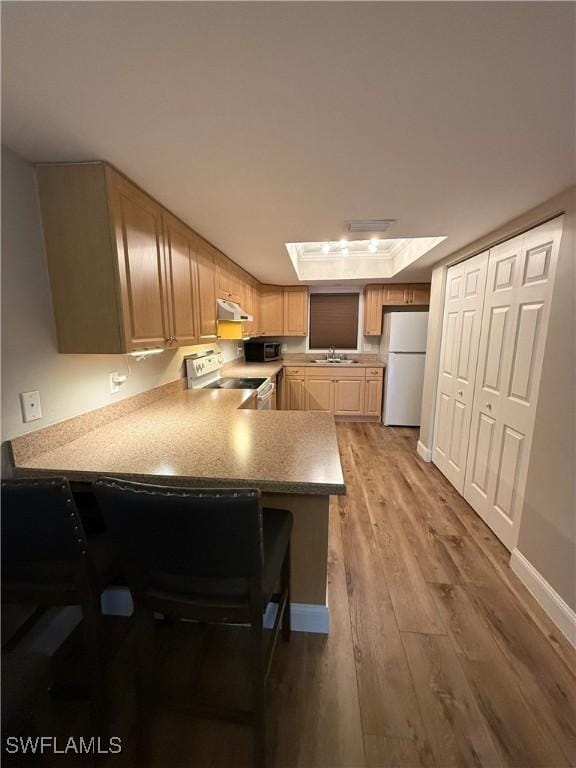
x: 229, y: 310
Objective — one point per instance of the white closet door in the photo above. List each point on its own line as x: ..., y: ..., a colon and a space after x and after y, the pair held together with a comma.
x: 458, y: 358
x: 515, y: 319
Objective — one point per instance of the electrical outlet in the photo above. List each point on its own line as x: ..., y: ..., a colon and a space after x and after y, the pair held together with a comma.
x: 114, y: 386
x: 31, y: 405
x: 116, y: 381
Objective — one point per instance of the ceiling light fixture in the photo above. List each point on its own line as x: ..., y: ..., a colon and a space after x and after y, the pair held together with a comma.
x: 343, y: 243
x: 326, y: 248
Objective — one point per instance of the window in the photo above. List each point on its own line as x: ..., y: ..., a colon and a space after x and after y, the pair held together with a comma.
x: 334, y: 320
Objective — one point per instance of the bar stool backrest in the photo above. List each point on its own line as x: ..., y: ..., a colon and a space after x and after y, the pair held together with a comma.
x: 203, y: 533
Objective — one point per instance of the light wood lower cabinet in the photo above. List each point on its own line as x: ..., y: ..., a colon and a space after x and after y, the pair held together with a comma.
x: 320, y: 395
x: 353, y: 392
x: 349, y: 396
x: 373, y: 397
x: 293, y: 394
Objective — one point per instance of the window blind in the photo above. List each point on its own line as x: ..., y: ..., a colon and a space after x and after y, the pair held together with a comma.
x: 334, y: 320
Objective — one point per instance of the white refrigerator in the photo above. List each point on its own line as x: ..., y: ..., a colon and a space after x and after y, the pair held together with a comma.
x: 403, y: 349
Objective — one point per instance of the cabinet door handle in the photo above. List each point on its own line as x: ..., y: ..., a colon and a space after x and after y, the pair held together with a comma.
x: 489, y: 406
x: 460, y: 393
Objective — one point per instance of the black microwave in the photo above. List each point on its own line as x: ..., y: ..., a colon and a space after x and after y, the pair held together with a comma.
x: 261, y: 351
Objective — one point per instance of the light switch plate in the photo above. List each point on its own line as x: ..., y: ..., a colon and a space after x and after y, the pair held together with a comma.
x: 31, y: 405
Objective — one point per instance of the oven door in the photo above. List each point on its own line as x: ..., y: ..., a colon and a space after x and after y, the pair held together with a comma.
x: 265, y: 397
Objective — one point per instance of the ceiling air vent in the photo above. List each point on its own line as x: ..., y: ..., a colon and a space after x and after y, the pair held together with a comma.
x: 374, y: 226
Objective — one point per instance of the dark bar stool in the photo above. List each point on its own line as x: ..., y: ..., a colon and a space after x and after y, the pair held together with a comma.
x: 47, y: 561
x: 213, y: 556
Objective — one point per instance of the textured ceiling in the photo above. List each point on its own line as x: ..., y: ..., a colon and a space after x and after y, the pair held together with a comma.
x: 266, y: 123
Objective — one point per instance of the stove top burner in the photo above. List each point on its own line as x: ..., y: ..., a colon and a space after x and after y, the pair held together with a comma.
x: 236, y: 384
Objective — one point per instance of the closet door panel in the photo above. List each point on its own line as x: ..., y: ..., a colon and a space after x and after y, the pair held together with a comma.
x: 484, y: 435
x: 465, y: 287
x: 516, y: 310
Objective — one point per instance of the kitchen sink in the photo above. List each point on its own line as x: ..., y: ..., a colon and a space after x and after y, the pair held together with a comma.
x: 334, y: 361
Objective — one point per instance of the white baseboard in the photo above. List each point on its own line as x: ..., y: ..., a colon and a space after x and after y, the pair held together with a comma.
x: 423, y: 452
x: 558, y: 610
x: 305, y: 617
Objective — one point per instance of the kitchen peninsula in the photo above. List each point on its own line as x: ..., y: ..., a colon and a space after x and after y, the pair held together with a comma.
x: 205, y: 438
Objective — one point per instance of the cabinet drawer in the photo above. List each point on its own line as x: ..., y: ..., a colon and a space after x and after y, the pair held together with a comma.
x: 335, y: 371
x: 374, y: 373
x: 293, y: 371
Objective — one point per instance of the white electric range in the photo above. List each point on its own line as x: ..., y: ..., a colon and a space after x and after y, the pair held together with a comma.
x: 203, y: 372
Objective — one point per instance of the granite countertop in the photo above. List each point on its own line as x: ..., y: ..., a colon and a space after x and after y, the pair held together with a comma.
x: 204, y: 438
x: 307, y: 362
x: 242, y: 368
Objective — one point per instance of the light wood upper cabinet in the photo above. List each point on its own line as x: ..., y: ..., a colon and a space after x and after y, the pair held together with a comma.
x: 396, y: 294
x: 143, y: 279
x: 248, y: 304
x: 181, y: 270
x: 257, y: 306
x: 349, y: 396
x: 378, y: 297
x: 206, y: 301
x: 126, y: 274
x: 235, y: 282
x: 222, y: 277
x: 296, y: 311
x: 373, y: 310
x: 272, y: 310
x: 420, y: 294
x: 228, y: 280
x: 122, y: 268
x: 320, y: 395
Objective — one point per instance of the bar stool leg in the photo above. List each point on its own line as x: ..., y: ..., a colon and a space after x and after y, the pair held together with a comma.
x: 144, y: 626
x: 285, y: 588
x: 93, y: 644
x: 258, y: 683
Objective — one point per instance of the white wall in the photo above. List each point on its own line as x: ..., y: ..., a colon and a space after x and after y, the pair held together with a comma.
x: 69, y: 384
x: 547, y: 536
